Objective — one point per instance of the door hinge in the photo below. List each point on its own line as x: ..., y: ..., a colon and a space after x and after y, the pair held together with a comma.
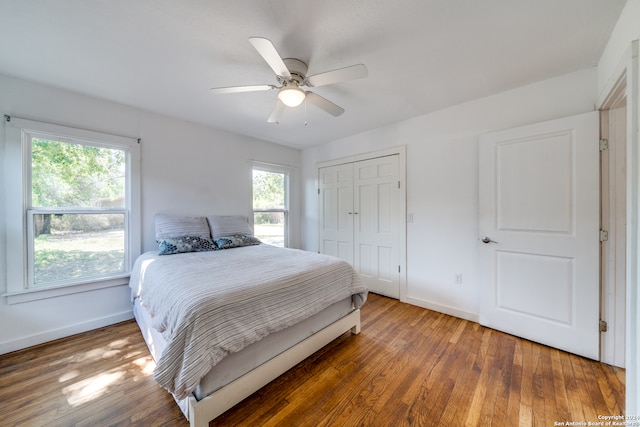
x: 318, y: 191
x: 604, y: 144
x: 398, y: 184
x: 603, y: 326
x: 398, y: 269
x: 604, y: 235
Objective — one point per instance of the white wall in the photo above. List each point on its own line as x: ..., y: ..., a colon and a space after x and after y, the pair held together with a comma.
x: 192, y: 169
x: 185, y: 168
x: 614, y: 59
x: 442, y: 174
x: 627, y: 29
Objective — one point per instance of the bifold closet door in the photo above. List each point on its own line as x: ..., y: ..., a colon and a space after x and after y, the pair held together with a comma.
x: 359, y: 207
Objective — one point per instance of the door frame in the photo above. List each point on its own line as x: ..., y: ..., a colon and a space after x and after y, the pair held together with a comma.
x: 628, y: 70
x: 613, y: 218
x: 401, y: 151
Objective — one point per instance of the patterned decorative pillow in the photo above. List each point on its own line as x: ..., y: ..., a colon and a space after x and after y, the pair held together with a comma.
x: 178, y: 245
x: 222, y: 226
x: 236, y: 241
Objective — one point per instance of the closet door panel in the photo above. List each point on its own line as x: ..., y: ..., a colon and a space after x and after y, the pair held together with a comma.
x: 336, y: 208
x: 376, y: 215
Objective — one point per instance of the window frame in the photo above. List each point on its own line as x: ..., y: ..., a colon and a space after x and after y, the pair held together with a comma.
x: 18, y: 135
x: 274, y: 168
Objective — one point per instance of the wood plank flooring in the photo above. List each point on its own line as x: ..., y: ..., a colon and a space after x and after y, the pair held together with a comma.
x: 408, y: 367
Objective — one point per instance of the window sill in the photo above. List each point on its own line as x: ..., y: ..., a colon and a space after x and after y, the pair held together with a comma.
x: 28, y: 295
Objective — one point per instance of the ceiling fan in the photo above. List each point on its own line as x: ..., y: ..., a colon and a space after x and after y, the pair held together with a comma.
x: 291, y: 74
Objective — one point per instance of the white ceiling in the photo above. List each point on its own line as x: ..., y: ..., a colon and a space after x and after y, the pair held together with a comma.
x: 422, y: 55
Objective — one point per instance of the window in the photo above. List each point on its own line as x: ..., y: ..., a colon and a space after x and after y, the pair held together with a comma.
x: 73, y: 216
x: 271, y: 204
x: 76, y: 219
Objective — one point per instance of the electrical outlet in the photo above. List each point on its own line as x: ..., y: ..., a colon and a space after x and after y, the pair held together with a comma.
x: 458, y: 279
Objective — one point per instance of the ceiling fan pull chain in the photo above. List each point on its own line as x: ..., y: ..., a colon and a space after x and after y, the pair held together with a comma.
x: 305, y: 111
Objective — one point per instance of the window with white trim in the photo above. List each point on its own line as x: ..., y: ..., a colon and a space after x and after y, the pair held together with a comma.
x: 271, y: 204
x: 77, y: 204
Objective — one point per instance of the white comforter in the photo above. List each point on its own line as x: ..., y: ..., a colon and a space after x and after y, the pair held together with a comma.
x: 210, y: 304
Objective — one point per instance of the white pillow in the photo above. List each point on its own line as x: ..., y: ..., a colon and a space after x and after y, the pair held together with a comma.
x: 181, y: 226
x: 224, y: 226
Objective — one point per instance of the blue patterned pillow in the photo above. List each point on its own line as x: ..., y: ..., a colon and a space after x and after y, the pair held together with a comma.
x: 178, y: 245
x: 236, y: 241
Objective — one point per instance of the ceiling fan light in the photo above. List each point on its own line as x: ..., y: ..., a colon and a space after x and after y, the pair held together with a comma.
x: 291, y: 96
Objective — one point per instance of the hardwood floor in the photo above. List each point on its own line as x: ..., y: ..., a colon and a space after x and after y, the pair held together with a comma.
x: 409, y: 366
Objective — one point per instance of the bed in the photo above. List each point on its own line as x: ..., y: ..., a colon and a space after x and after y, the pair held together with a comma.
x: 223, y: 314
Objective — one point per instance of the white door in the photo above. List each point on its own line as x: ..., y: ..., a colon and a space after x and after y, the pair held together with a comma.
x: 539, y: 213
x: 376, y: 217
x: 360, y: 218
x: 336, y: 211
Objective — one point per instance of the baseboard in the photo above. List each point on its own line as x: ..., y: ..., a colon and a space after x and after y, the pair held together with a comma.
x: 54, y: 334
x: 451, y: 311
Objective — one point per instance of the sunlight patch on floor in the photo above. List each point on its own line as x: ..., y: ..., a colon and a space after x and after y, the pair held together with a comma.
x: 146, y: 365
x: 113, y: 349
x: 119, y: 343
x: 92, y: 388
x: 68, y: 376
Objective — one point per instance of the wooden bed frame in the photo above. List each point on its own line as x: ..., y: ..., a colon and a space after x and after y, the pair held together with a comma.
x: 204, y: 410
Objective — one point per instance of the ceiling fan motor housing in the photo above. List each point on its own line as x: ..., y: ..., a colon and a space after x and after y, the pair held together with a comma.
x: 298, y: 70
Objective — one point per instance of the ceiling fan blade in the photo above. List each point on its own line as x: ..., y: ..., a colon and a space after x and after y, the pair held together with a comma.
x: 236, y: 89
x: 336, y: 76
x: 271, y: 55
x: 278, y: 109
x: 324, y: 104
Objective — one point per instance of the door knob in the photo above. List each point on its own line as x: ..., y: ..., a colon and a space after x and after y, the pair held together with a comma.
x: 487, y: 239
